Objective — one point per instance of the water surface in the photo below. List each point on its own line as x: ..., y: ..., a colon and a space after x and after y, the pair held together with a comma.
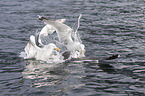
x: 107, y: 27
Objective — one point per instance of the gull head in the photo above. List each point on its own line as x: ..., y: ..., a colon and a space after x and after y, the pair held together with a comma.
x: 51, y: 46
x: 79, y: 51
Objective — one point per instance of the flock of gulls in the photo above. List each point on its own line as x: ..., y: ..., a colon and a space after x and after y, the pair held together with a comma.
x: 67, y: 36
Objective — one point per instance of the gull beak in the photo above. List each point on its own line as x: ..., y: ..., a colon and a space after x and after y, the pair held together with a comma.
x: 82, y: 51
x: 57, y: 49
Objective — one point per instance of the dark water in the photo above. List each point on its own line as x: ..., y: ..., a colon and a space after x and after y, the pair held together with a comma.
x: 107, y: 27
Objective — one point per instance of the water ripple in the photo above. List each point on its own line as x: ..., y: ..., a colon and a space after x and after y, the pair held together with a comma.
x: 107, y: 27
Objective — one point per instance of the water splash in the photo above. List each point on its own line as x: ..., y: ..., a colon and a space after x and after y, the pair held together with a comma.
x: 68, y: 37
x: 55, y: 34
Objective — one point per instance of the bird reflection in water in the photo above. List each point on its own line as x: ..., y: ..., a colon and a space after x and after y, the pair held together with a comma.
x: 44, y: 74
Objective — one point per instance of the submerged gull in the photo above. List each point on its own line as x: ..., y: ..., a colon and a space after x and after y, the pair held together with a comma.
x: 45, y: 53
x: 68, y: 37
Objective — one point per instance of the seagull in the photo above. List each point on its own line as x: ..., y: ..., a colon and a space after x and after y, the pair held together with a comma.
x: 66, y: 36
x: 45, y: 52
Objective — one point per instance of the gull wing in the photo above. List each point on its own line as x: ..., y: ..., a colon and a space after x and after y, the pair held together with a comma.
x: 31, y: 48
x: 64, y: 31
